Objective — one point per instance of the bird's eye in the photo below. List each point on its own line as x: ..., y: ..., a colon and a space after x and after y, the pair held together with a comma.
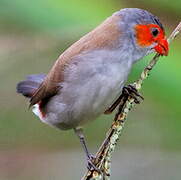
x: 154, y: 31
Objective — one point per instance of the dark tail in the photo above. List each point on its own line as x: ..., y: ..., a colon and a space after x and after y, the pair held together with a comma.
x: 30, y: 85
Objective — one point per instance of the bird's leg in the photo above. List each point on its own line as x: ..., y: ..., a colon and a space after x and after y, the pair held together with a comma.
x: 114, y: 105
x: 127, y: 91
x: 90, y: 157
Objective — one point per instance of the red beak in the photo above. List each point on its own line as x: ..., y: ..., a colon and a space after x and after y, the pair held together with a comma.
x: 162, y: 47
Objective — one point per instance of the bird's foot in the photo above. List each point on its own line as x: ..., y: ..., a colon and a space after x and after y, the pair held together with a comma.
x: 131, y: 91
x: 91, y: 164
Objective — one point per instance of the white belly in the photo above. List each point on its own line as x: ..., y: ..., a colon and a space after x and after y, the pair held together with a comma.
x: 90, y: 86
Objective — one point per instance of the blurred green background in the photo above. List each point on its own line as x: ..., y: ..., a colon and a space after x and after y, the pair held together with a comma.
x: 32, y: 35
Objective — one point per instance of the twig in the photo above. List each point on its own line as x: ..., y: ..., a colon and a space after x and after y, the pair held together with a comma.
x: 104, y: 154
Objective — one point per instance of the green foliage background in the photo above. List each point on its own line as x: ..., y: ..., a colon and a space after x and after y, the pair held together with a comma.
x: 34, y: 33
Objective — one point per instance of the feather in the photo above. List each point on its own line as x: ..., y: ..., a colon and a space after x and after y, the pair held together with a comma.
x: 104, y: 36
x: 30, y: 85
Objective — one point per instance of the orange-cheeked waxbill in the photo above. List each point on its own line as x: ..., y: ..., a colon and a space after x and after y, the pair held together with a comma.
x: 88, y: 76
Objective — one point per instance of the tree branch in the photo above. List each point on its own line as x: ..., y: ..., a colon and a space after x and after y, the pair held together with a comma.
x: 104, y: 154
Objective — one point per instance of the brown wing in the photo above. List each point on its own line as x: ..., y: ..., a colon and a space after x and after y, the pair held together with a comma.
x: 50, y: 85
x: 104, y: 36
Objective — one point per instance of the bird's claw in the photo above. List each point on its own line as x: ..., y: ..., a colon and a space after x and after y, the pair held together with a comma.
x: 91, y: 165
x: 131, y: 91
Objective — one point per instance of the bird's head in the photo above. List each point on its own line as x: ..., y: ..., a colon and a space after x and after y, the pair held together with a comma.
x: 144, y: 30
x: 152, y: 35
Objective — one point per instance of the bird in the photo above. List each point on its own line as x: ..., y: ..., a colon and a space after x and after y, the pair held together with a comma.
x: 88, y: 76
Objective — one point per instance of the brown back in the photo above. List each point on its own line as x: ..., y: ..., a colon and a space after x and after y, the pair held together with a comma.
x: 104, y: 36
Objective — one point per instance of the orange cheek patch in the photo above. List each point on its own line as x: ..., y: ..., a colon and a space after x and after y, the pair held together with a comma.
x: 143, y: 35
